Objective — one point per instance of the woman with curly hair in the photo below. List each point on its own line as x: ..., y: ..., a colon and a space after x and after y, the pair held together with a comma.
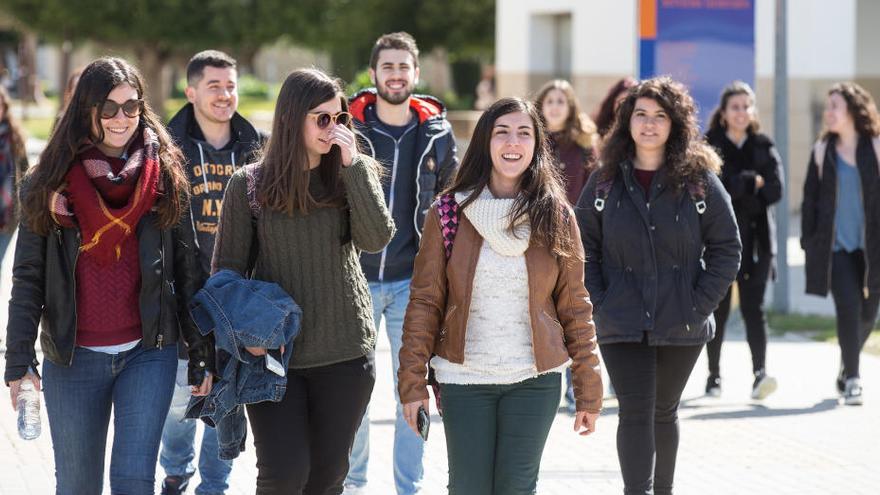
x: 752, y: 174
x: 571, y: 134
x: 662, y: 248
x: 840, y: 223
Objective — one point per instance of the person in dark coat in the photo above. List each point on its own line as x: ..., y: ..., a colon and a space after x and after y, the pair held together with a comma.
x: 752, y: 174
x: 840, y: 223
x: 662, y: 248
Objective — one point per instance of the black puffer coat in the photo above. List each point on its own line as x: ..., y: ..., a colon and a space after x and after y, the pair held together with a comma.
x: 657, y: 267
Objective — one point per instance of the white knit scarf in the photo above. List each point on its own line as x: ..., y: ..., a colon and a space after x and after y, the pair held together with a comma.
x: 491, y: 217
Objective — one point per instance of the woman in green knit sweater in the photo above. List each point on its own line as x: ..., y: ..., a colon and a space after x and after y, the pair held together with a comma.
x: 316, y: 203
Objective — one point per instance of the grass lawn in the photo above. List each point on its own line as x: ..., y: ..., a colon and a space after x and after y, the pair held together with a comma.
x: 821, y: 328
x: 39, y: 127
x: 260, y: 108
x: 247, y: 107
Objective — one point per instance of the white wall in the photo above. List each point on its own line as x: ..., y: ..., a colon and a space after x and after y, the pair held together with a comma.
x: 821, y: 38
x: 603, y: 35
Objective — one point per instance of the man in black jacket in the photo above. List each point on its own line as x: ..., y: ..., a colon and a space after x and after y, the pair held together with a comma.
x: 410, y: 136
x: 215, y: 141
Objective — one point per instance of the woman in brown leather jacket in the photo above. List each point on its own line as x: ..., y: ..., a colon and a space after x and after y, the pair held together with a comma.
x: 498, y: 298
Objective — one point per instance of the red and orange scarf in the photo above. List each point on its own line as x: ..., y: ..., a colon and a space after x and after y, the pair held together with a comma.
x: 107, y: 206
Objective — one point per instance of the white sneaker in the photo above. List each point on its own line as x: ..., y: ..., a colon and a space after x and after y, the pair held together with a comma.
x: 354, y: 490
x: 852, y: 392
x: 764, y: 385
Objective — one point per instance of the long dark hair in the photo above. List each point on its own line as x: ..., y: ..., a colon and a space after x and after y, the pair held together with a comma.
x: 686, y: 156
x: 860, y: 106
x: 284, y: 181
x: 578, y: 127
x: 73, y: 135
x: 16, y: 133
x: 716, y: 122
x: 604, y: 117
x: 542, y: 198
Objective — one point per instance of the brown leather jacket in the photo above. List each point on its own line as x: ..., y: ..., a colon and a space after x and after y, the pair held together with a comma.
x: 436, y: 318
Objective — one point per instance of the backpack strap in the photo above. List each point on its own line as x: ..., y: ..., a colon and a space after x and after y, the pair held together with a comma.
x: 447, y: 208
x: 603, y: 189
x: 697, y: 191
x: 819, y: 150
x: 252, y: 175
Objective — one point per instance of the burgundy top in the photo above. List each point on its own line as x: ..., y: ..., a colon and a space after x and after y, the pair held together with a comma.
x: 577, y: 164
x: 108, y: 296
x: 644, y: 178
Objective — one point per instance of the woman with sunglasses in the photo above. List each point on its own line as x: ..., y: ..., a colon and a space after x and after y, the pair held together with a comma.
x: 300, y: 218
x: 503, y: 308
x: 105, y: 258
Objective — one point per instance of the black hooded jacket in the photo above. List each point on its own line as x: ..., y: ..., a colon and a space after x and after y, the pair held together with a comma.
x: 209, y: 170
x: 752, y: 206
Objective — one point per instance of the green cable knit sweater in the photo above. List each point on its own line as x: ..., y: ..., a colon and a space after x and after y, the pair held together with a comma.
x: 315, y: 258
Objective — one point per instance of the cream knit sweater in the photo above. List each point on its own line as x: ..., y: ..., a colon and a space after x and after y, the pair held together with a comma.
x: 498, y: 343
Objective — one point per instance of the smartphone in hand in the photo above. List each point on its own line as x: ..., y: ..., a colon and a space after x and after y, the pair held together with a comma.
x: 273, y: 362
x: 423, y: 421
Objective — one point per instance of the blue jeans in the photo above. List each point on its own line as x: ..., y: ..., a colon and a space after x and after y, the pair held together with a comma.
x: 178, y: 438
x: 136, y: 385
x: 390, y: 299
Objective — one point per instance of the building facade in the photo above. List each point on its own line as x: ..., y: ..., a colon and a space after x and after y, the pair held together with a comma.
x: 593, y: 43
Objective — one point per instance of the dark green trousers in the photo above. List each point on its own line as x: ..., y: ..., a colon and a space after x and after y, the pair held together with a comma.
x: 495, y: 434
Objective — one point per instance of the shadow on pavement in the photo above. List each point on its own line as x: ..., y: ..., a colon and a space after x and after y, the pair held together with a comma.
x: 761, y: 411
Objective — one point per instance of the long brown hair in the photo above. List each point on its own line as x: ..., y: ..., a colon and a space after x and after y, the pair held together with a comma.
x: 860, y: 105
x: 716, y: 122
x: 686, y: 156
x: 15, y: 130
x: 74, y: 134
x: 541, y: 199
x: 284, y: 181
x: 604, y: 117
x: 578, y: 127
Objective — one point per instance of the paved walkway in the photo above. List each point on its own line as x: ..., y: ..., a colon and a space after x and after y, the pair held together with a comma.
x: 799, y: 441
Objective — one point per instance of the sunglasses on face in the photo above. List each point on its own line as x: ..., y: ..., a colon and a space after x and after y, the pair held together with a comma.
x: 131, y: 108
x: 323, y: 119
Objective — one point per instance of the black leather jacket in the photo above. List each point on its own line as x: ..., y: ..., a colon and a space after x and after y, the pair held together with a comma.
x: 44, y: 289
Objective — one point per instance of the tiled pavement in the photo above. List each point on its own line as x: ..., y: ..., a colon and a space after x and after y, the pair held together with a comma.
x: 799, y: 441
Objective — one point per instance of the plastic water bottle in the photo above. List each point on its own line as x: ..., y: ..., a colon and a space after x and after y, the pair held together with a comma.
x: 28, y: 410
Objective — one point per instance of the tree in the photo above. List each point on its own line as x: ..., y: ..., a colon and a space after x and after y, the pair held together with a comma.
x: 154, y: 30
x: 347, y: 29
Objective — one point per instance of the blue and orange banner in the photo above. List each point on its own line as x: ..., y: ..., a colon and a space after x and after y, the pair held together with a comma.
x: 703, y: 43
